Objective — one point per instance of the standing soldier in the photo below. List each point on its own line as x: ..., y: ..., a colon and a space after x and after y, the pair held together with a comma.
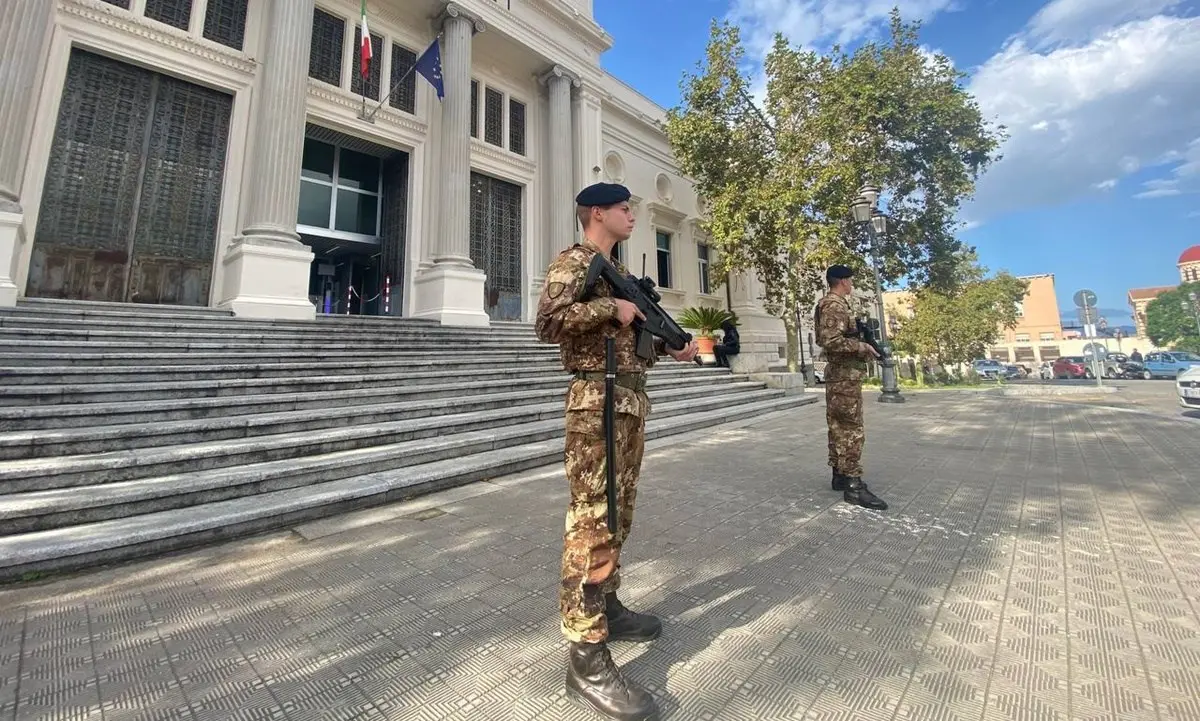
x: 844, y: 372
x: 591, y: 613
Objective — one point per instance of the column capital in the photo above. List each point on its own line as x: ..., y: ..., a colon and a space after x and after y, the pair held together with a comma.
x: 454, y: 10
x: 558, y: 71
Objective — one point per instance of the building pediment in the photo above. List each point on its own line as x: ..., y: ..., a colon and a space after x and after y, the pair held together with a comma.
x: 665, y: 215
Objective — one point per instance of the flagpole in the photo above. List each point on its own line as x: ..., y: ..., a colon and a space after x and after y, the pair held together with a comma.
x: 371, y: 117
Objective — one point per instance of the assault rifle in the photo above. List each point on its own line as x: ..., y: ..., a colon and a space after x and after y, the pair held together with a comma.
x: 868, y: 336
x: 642, y: 294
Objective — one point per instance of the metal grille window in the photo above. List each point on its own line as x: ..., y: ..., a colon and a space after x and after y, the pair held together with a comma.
x: 663, y: 241
x: 225, y: 22
x: 373, y: 71
x: 132, y: 188
x: 496, y: 243
x: 516, y: 126
x: 702, y: 253
x: 339, y: 192
x: 325, y: 55
x: 493, y: 117
x: 175, y: 13
x: 474, y: 108
x: 404, y: 97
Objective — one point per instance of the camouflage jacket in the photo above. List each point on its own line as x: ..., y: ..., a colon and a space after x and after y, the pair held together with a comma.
x: 838, y: 336
x: 580, y: 327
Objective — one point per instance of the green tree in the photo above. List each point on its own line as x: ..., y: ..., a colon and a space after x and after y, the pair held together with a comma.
x: 1168, y: 324
x: 958, y: 325
x: 777, y: 181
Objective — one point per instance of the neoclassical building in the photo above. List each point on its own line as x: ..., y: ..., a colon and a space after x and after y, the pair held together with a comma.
x: 230, y: 153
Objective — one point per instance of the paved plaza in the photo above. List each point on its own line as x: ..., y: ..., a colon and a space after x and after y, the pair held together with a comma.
x: 1039, y: 561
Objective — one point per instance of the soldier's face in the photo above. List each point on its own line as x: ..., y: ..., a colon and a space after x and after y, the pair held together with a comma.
x: 618, y: 220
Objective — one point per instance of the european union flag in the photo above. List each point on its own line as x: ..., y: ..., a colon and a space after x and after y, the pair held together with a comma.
x: 429, y: 65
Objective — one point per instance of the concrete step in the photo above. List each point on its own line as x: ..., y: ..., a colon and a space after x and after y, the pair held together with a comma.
x: 216, y: 347
x: 122, y: 411
x: 14, y: 357
x: 88, y: 544
x: 17, y: 476
x: 145, y: 309
x: 56, y: 327
x: 458, y: 436
x: 94, y: 438
x: 480, y: 368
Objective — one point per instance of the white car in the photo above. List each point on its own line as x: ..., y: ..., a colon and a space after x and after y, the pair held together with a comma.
x: 1187, y: 384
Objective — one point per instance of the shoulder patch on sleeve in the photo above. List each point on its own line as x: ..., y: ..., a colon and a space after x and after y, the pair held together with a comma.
x: 555, y: 289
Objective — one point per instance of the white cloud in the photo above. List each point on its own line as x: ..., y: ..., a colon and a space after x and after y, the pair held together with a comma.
x: 1083, y: 20
x: 820, y: 22
x: 1082, y: 116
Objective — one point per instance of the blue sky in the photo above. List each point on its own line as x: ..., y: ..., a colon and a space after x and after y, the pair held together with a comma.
x: 1101, y: 98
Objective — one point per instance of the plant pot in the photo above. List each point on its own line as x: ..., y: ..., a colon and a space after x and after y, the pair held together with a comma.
x: 704, y: 344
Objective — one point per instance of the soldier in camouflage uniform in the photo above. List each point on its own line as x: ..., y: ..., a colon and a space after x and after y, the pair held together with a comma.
x: 846, y: 366
x: 591, y: 613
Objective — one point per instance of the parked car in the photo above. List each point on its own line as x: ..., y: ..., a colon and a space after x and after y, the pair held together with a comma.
x: 1168, y: 364
x: 1012, y: 371
x: 987, y: 367
x: 1072, y: 366
x: 1187, y: 385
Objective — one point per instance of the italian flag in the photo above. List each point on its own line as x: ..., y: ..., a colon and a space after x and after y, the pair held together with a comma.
x: 365, y: 51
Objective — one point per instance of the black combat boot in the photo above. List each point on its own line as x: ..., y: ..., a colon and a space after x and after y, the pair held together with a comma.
x: 856, y: 492
x: 625, y: 625
x: 596, y: 682
x: 839, y: 481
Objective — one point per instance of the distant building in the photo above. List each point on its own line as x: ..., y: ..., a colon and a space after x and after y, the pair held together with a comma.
x: 1189, y: 272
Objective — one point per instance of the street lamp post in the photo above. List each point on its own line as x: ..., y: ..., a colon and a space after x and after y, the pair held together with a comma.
x: 866, y: 213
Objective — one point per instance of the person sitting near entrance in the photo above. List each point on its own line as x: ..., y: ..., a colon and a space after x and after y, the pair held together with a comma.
x: 730, y: 344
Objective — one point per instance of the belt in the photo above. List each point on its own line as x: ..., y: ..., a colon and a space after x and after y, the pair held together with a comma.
x: 632, y: 381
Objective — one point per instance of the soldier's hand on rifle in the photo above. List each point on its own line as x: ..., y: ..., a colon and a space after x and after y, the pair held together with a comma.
x: 870, y: 350
x: 627, y: 311
x: 686, y: 353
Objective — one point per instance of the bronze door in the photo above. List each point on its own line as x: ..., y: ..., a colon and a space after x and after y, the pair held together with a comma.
x: 496, y: 244
x: 133, y: 187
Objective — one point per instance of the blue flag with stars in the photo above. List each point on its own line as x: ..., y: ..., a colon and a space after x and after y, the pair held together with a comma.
x: 429, y: 65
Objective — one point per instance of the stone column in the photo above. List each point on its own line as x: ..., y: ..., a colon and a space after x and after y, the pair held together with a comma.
x: 266, y: 266
x: 589, y: 145
x: 451, y: 289
x: 24, y: 33
x: 560, y: 178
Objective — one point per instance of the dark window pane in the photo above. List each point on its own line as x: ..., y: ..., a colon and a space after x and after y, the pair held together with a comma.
x: 664, y: 269
x: 175, y: 13
x: 225, y: 22
x: 516, y: 126
x: 493, y: 117
x: 373, y: 70
x: 318, y: 160
x: 404, y: 95
x: 118, y: 3
x: 356, y: 170
x: 356, y: 213
x: 314, y: 204
x: 474, y: 108
x: 325, y: 54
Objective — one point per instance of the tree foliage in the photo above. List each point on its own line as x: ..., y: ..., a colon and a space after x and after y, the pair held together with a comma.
x: 777, y: 181
x: 958, y: 325
x: 1170, y: 326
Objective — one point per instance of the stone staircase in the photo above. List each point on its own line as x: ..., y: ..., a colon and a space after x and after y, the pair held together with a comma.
x: 128, y: 431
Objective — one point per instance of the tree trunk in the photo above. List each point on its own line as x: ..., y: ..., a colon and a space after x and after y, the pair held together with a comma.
x: 793, y: 342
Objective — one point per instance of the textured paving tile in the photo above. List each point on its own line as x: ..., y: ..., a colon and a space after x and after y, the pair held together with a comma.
x: 1039, y: 561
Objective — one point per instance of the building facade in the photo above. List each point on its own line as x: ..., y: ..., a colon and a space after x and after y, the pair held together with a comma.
x: 1189, y: 272
x: 230, y: 153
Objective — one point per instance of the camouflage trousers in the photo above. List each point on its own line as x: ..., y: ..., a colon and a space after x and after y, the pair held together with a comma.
x: 591, y: 559
x: 844, y: 415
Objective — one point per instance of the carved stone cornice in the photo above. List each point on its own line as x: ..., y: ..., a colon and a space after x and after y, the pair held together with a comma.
x: 335, y: 96
x: 112, y: 17
x: 454, y: 10
x: 523, y: 166
x: 665, y: 213
x: 578, y: 24
x: 558, y: 71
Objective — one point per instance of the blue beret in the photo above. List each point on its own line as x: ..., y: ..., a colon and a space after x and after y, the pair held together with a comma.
x: 837, y: 272
x: 602, y: 194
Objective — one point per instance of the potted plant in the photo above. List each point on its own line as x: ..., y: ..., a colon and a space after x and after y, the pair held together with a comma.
x: 704, y: 321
